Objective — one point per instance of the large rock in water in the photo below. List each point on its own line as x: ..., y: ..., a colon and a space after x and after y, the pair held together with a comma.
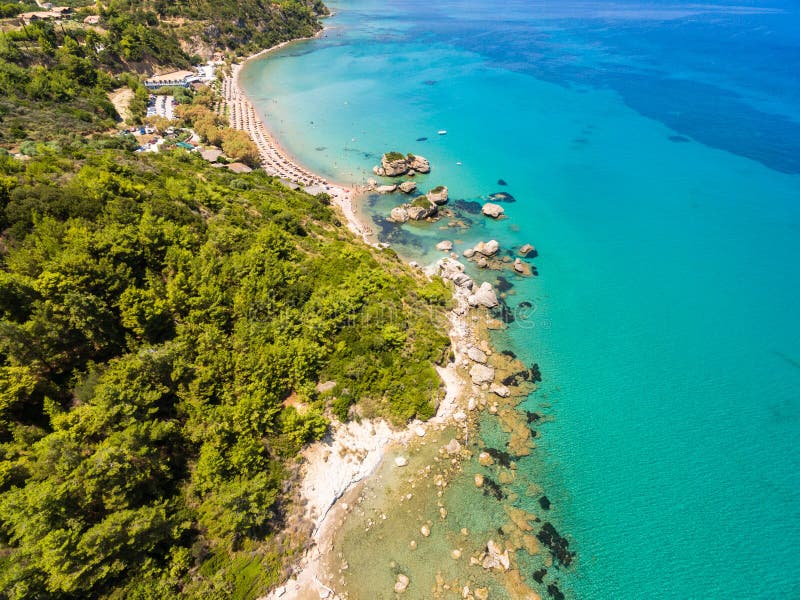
x: 495, y: 558
x: 483, y: 296
x: 419, y: 163
x: 394, y: 164
x: 399, y: 214
x: 386, y: 189
x: 492, y: 210
x: 401, y: 584
x: 445, y: 246
x: 421, y: 208
x: 489, y: 248
x: 438, y: 195
x: 408, y: 187
x: 481, y: 374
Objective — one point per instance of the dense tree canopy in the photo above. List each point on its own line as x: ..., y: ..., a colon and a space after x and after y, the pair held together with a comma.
x: 163, y: 327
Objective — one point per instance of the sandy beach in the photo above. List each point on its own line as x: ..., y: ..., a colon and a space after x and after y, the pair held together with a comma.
x: 275, y: 160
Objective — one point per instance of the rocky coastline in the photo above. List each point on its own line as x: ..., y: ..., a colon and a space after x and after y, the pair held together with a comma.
x: 478, y: 379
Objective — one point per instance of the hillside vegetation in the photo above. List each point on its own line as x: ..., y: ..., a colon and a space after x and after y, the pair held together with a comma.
x: 55, y: 77
x: 163, y: 328
x: 165, y: 325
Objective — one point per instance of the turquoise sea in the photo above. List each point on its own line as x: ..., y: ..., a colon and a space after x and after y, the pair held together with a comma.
x: 653, y: 150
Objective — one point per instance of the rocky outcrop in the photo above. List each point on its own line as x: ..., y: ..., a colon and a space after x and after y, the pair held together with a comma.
x: 419, y: 163
x: 481, y: 374
x: 476, y: 354
x: 489, y: 248
x: 454, y: 271
x: 492, y: 210
x: 521, y: 267
x: 495, y: 558
x: 483, y: 296
x: 394, y: 164
x: 421, y: 208
x: 528, y: 249
x: 416, y: 213
x: 500, y: 390
x: 408, y: 187
x: 438, y: 195
x: 386, y: 189
x: 399, y: 214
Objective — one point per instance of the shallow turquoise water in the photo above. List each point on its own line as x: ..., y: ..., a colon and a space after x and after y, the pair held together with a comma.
x: 659, y: 181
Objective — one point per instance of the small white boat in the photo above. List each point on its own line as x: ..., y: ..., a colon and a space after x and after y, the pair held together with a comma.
x: 443, y: 132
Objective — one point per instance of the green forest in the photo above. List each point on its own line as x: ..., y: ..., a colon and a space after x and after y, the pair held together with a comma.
x: 164, y: 326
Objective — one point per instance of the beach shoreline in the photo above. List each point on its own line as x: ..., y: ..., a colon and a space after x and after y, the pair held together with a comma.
x: 334, y: 471
x: 275, y: 160
x: 334, y: 467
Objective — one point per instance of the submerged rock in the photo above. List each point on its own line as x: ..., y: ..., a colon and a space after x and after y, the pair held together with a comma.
x: 503, y: 458
x: 445, y: 246
x: 468, y: 206
x: 554, y: 592
x: 502, y: 197
x: 559, y: 546
x: 491, y: 488
x: 544, y: 502
x: 538, y: 576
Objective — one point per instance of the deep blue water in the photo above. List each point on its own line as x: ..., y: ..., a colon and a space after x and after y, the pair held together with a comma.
x: 654, y: 153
